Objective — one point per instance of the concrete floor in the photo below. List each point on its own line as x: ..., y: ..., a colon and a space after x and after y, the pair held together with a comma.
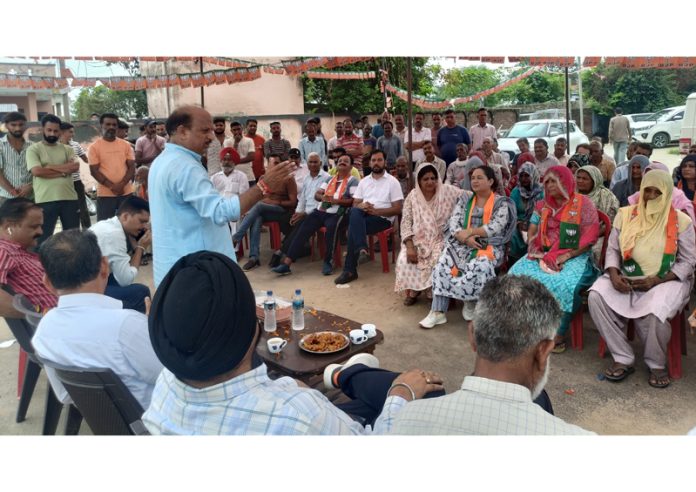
x: 631, y: 407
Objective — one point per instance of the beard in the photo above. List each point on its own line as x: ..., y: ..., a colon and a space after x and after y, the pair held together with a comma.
x: 539, y: 386
x: 377, y: 170
x: 17, y: 134
x: 51, y: 139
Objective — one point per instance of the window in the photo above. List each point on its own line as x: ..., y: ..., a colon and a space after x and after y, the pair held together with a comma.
x: 529, y: 130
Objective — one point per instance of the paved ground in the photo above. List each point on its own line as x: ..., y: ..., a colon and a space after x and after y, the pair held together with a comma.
x: 630, y: 407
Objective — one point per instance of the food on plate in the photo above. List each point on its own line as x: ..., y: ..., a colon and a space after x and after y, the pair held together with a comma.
x: 325, y: 341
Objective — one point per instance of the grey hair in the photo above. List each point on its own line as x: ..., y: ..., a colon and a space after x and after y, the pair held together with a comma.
x: 312, y: 154
x: 513, y: 314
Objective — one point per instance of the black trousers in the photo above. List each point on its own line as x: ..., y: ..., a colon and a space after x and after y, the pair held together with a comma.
x: 66, y: 210
x: 85, y: 221
x: 107, y: 206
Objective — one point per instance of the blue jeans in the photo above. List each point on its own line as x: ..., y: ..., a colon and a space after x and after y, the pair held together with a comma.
x: 133, y: 295
x: 254, y: 219
x: 620, y: 149
x: 359, y: 226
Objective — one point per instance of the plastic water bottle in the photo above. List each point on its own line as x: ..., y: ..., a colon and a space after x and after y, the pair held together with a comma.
x: 298, y: 311
x: 269, y: 313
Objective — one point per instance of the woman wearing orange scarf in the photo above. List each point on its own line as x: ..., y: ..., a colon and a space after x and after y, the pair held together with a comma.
x: 648, y: 278
x: 563, y: 228
x: 480, y: 227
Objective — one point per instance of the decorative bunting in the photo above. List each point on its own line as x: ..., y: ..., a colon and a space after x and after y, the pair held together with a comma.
x: 493, y: 59
x: 299, y: 66
x: 341, y: 75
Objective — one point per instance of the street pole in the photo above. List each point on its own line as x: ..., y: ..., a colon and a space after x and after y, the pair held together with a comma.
x: 65, y: 98
x: 582, y: 118
x: 567, y: 102
x: 200, y: 61
x: 410, y: 112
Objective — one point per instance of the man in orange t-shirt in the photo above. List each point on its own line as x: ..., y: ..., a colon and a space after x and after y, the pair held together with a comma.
x: 257, y: 166
x: 112, y: 163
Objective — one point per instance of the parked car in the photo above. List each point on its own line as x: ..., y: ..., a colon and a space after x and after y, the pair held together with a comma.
x: 636, y: 118
x: 687, y: 138
x: 549, y: 130
x: 666, y: 129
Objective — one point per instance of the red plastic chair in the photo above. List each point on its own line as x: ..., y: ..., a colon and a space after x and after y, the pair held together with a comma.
x: 675, y: 349
x: 576, y: 334
x: 274, y: 229
x: 382, y: 237
x: 321, y: 245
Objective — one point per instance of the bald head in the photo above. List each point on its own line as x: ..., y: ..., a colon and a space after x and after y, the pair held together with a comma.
x: 191, y: 127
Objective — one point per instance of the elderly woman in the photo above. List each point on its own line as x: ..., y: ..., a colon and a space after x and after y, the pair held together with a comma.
x: 525, y: 196
x: 627, y: 187
x: 589, y: 182
x: 426, y: 213
x: 563, y: 228
x: 481, y: 225
x: 648, y: 278
x: 523, y: 158
x: 576, y: 161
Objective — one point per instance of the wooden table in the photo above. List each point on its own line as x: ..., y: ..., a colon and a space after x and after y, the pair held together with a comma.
x: 297, y: 363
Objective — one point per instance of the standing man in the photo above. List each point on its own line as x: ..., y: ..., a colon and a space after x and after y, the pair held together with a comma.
x: 449, y: 136
x: 245, y: 148
x: 400, y: 127
x: 112, y: 163
x: 437, y: 124
x: 258, y: 165
x: 67, y: 132
x: 377, y: 201
x: 149, y: 145
x: 213, y: 155
x: 421, y: 135
x: 481, y: 130
x: 378, y: 129
x: 390, y: 145
x: 559, y: 151
x: 619, y: 134
x: 15, y: 179
x: 597, y: 158
x: 187, y: 212
x: 352, y: 143
x: 118, y: 243
x: 333, y: 142
x: 312, y: 143
x: 51, y: 164
x: 162, y: 131
x: 276, y: 144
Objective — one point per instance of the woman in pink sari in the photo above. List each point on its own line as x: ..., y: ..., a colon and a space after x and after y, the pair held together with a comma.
x: 426, y: 212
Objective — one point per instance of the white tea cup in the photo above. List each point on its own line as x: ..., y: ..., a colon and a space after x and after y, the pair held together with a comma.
x: 276, y: 344
x: 369, y: 329
x: 357, y: 336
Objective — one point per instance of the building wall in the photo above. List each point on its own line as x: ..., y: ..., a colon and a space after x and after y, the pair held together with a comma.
x: 271, y: 94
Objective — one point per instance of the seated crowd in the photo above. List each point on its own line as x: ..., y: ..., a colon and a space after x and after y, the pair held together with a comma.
x: 465, y: 215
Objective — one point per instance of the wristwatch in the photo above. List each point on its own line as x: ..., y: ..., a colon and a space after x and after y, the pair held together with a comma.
x: 65, y: 175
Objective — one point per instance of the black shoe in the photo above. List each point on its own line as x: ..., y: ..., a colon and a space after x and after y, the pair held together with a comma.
x: 345, y: 277
x: 275, y: 260
x: 251, y: 264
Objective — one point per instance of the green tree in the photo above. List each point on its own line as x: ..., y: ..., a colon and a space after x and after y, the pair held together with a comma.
x: 634, y: 90
x: 101, y: 99
x: 364, y: 96
x: 538, y: 88
x: 462, y: 82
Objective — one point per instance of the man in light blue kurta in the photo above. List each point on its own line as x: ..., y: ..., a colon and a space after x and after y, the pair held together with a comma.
x: 186, y: 211
x: 188, y: 214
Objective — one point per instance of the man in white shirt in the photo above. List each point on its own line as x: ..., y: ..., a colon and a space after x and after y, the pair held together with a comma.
x: 212, y: 162
x: 420, y: 135
x: 481, y: 130
x: 430, y: 157
x: 245, y: 147
x: 541, y: 155
x: 89, y: 329
x: 301, y: 170
x: 333, y: 142
x: 376, y: 203
x: 230, y: 182
x: 504, y: 395
x: 128, y: 230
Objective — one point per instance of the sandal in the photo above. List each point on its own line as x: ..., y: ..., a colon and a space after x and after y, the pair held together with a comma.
x: 659, y: 378
x: 618, y: 372
x: 559, y: 347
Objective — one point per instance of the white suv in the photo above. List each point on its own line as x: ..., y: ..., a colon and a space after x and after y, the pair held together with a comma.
x: 666, y: 129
